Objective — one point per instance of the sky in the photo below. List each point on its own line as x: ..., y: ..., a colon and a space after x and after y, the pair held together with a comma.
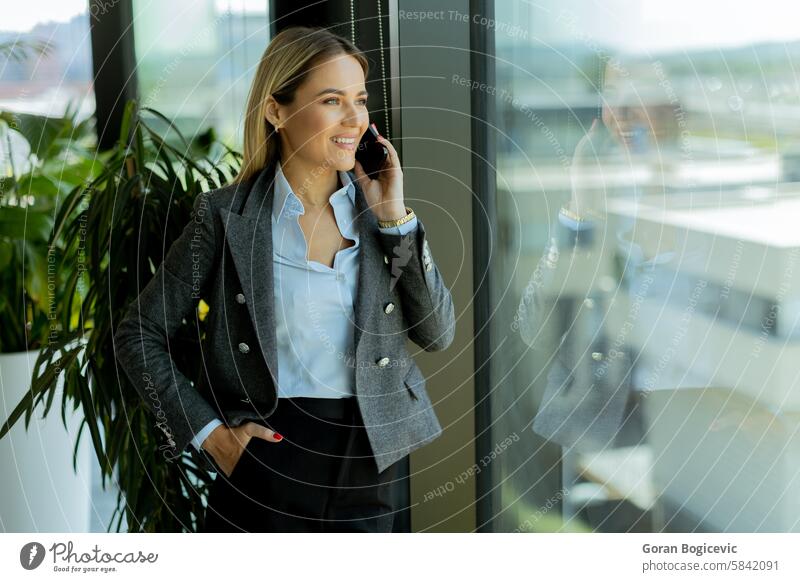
x: 642, y: 26
x: 635, y: 25
x: 689, y: 24
x: 24, y: 16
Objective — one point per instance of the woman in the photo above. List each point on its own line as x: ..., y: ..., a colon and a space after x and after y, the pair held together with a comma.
x: 315, y: 275
x: 587, y: 399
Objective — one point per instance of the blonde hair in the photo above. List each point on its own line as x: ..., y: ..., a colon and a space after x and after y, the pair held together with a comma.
x: 285, y: 64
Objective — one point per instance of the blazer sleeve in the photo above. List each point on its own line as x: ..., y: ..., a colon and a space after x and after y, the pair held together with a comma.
x: 142, y: 339
x: 427, y: 303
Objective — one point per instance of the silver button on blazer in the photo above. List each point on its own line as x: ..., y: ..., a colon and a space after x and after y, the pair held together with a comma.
x: 224, y: 256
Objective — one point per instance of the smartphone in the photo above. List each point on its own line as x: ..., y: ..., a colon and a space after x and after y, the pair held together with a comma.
x: 371, y: 154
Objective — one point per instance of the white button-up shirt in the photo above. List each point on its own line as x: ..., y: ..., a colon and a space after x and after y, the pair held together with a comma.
x: 314, y: 302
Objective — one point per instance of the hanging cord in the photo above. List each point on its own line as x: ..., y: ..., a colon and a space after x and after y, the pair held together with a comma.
x: 383, y: 60
x: 352, y: 22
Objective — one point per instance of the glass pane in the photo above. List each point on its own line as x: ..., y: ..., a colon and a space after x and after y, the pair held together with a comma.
x: 45, y: 68
x: 196, y: 60
x: 33, y: 81
x: 647, y: 189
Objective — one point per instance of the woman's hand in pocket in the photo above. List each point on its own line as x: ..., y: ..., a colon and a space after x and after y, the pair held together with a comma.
x: 226, y: 445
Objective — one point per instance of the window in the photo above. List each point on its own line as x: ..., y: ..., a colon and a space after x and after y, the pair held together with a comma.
x: 647, y: 373
x: 196, y: 60
x: 47, y: 66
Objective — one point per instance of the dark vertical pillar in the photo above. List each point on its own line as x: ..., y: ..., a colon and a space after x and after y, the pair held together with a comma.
x: 114, y: 65
x: 483, y: 217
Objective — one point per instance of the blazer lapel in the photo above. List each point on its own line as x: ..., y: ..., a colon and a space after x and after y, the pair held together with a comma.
x: 369, y: 261
x: 249, y: 237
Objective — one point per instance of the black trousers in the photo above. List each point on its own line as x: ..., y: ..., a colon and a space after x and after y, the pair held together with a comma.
x: 321, y: 477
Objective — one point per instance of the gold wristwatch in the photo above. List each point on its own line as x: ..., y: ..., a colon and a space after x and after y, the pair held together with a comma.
x: 389, y: 223
x: 587, y: 216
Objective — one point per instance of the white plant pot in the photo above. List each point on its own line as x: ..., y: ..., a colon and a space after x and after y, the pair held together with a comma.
x: 39, y: 490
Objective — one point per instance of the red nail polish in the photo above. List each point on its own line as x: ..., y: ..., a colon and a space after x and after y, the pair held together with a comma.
x: 278, y: 436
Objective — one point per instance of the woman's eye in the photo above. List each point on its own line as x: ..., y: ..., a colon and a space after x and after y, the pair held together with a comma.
x: 362, y: 101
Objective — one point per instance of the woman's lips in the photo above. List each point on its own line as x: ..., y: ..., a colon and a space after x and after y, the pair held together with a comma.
x: 345, y: 146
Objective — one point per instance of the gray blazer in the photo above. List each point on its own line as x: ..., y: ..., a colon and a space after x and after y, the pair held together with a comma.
x: 589, y: 382
x: 224, y: 256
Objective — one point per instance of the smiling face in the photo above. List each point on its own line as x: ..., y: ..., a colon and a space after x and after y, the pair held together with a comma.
x: 325, y: 122
x: 637, y: 109
x: 624, y: 113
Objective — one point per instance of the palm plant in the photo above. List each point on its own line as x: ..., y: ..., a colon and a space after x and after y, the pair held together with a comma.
x: 54, y: 155
x: 115, y: 229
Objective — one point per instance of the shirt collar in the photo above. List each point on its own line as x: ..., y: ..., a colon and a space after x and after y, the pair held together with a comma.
x: 286, y: 203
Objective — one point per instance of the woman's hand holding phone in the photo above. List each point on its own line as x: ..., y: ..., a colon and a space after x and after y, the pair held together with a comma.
x: 586, y: 198
x: 384, y: 194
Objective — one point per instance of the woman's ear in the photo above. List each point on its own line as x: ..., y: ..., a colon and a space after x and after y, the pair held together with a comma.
x: 272, y: 112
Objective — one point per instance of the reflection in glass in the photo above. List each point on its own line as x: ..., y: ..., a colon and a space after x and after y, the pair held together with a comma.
x: 647, y: 198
